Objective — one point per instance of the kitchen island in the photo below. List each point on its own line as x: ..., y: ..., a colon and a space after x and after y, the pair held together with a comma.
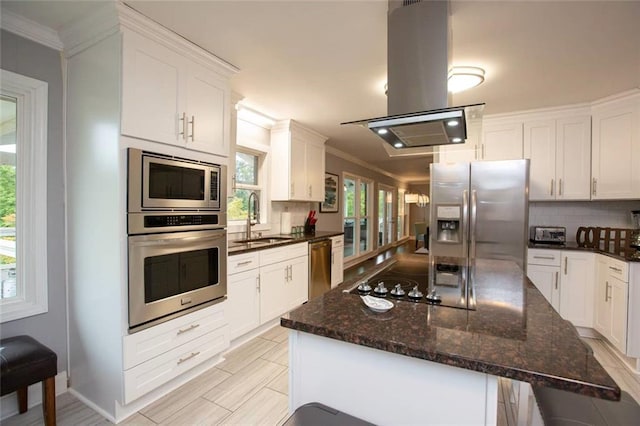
x: 421, y: 363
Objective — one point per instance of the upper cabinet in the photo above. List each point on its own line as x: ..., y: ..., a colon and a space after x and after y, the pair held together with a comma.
x: 616, y: 148
x: 501, y: 141
x: 299, y: 173
x: 560, y: 154
x: 172, y: 98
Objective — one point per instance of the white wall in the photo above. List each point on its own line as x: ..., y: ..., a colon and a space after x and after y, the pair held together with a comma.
x: 615, y: 214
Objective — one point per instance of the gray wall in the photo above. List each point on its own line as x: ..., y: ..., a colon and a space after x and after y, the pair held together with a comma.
x: 337, y: 165
x: 33, y: 60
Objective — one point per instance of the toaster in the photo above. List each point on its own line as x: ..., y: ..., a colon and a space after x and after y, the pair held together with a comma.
x: 548, y: 234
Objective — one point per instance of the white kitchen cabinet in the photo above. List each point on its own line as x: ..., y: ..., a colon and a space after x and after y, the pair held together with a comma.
x: 543, y: 269
x: 612, y: 295
x: 560, y: 154
x: 273, y: 290
x: 158, y: 354
x: 298, y: 283
x: 299, y: 173
x: 501, y: 141
x: 566, y: 279
x: 243, y: 293
x: 170, y: 98
x: 577, y: 287
x: 616, y: 148
x: 337, y: 260
x: 466, y: 152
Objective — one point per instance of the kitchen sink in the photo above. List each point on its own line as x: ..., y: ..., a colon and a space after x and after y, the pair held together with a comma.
x: 264, y: 240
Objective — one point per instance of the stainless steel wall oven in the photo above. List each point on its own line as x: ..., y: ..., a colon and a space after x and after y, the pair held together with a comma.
x: 177, y: 238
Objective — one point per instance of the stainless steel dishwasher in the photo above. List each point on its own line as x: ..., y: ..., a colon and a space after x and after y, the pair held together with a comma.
x: 319, y: 268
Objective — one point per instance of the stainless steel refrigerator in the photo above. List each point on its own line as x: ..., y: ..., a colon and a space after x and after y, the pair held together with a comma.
x: 478, y: 211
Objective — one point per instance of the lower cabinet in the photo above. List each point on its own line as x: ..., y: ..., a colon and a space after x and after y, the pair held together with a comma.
x: 612, y: 295
x: 566, y: 279
x: 337, y: 260
x: 158, y: 354
x: 265, y: 284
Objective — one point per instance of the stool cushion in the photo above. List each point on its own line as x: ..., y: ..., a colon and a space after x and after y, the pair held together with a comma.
x: 24, y: 361
x: 562, y: 408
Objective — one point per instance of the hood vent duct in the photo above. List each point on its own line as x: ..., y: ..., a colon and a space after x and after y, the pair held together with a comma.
x: 418, y: 54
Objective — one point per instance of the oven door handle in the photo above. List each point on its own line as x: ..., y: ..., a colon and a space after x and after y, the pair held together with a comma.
x: 164, y: 240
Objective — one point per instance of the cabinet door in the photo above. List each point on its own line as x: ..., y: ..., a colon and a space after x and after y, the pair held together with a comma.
x: 298, y: 282
x: 243, y: 307
x: 576, y: 288
x: 502, y: 142
x: 337, y: 266
x: 616, y: 151
x: 315, y: 171
x: 619, y: 293
x: 274, y: 298
x: 466, y: 152
x: 207, y: 111
x: 602, y: 319
x: 573, y: 158
x: 151, y: 103
x: 297, y: 172
x: 546, y: 279
x: 540, y: 148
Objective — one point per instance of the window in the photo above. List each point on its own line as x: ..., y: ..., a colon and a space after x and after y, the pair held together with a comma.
x: 402, y: 229
x: 247, y: 180
x: 357, y: 210
x: 23, y: 196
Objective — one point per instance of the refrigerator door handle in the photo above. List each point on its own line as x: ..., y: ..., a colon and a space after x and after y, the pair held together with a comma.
x: 474, y: 221
x: 465, y: 222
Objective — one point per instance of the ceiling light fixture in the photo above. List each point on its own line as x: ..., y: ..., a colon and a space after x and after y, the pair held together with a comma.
x: 463, y: 78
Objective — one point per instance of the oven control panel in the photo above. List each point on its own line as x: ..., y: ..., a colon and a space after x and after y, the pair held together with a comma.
x: 156, y: 221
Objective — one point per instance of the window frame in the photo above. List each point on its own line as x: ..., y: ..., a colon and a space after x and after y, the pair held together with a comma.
x: 262, y: 186
x: 31, y: 196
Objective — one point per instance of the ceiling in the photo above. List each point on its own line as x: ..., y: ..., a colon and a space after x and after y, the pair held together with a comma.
x: 323, y: 62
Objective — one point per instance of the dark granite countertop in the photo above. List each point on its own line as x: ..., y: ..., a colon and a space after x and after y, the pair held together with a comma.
x: 513, y: 333
x: 574, y: 246
x: 238, y: 248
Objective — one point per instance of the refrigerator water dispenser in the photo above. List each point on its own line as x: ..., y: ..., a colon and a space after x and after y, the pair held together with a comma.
x: 448, y: 224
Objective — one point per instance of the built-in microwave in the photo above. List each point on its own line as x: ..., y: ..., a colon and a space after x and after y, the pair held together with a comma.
x: 160, y: 182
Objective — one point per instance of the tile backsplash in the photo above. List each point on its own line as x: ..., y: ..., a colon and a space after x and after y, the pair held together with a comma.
x: 571, y: 215
x: 298, y: 210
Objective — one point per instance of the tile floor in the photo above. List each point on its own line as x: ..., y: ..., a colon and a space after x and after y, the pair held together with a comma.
x: 250, y: 387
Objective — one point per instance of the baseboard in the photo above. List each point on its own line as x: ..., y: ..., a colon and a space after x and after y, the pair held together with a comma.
x: 9, y: 403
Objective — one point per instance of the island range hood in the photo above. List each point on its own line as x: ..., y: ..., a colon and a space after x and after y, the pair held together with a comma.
x: 418, y: 53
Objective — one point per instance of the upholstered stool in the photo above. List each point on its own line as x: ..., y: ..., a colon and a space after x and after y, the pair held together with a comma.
x: 24, y: 362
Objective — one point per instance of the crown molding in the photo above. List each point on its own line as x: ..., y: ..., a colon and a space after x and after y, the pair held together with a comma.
x: 29, y: 29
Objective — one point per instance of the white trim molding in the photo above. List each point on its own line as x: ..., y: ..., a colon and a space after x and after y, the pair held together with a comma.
x: 29, y: 29
x: 31, y: 196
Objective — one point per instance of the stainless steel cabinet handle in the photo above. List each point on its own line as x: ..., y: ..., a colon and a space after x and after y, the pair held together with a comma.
x: 286, y: 273
x: 544, y: 257
x: 613, y: 268
x: 183, y: 119
x: 290, y: 272
x: 246, y: 262
x: 193, y: 355
x: 551, y: 188
x: 566, y: 260
x: 184, y: 330
x: 556, y: 285
x: 606, y: 292
x: 595, y: 186
x: 258, y: 283
x: 193, y: 128
x: 560, y: 187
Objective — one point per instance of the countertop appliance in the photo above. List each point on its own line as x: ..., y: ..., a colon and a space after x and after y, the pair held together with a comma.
x: 478, y: 210
x: 319, y: 268
x: 548, y: 234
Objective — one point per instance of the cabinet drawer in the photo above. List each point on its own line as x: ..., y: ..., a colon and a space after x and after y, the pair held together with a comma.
x: 146, y: 344
x: 149, y: 375
x: 543, y: 257
x: 337, y: 241
x: 618, y: 269
x: 267, y: 257
x: 242, y: 262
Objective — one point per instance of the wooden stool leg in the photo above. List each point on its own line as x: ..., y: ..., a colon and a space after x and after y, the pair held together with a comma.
x: 22, y: 400
x: 49, y: 401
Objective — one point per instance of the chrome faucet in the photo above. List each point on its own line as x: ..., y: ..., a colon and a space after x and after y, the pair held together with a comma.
x: 256, y: 212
